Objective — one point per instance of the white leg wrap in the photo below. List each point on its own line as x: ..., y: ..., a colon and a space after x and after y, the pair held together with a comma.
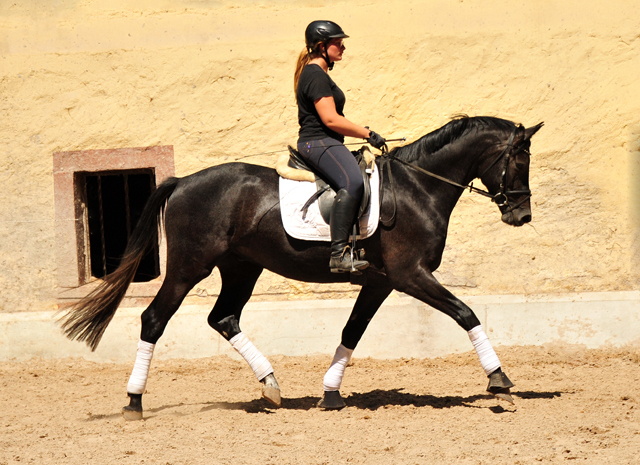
x: 486, y: 354
x: 138, y: 378
x: 258, y: 362
x: 335, y: 373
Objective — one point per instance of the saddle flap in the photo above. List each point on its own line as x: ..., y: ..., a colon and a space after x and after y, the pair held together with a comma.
x: 365, y: 161
x: 325, y: 199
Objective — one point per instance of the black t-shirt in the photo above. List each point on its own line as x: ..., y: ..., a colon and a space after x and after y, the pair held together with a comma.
x: 313, y: 84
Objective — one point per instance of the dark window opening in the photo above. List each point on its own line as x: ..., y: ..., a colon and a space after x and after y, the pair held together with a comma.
x: 114, y: 202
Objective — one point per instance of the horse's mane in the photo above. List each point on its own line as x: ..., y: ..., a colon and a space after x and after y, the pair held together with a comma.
x: 450, y: 132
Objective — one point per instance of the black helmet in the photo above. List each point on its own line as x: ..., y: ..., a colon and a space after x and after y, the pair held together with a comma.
x: 322, y: 31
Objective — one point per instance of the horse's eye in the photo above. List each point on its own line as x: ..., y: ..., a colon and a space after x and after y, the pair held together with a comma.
x: 521, y: 161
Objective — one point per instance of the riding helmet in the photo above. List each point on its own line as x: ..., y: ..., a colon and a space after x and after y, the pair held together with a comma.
x: 322, y: 31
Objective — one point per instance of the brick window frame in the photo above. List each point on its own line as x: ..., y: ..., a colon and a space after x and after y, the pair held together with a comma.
x: 71, y: 237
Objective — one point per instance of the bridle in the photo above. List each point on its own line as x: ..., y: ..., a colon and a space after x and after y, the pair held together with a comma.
x: 501, y: 198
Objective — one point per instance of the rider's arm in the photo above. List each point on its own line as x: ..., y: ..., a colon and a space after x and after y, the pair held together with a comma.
x: 326, y: 108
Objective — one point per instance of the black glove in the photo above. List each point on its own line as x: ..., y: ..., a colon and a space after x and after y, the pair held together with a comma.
x: 376, y: 140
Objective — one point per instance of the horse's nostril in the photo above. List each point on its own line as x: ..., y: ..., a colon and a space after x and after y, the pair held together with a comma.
x: 526, y: 219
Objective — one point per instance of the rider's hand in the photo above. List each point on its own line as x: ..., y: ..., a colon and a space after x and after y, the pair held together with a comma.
x: 376, y: 140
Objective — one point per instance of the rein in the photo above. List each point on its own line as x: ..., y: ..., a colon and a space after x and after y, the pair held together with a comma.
x: 501, y: 198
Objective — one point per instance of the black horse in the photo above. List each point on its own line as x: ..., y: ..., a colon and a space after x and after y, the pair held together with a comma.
x: 229, y: 216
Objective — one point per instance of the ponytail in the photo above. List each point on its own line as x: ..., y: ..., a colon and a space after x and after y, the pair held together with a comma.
x: 303, y: 59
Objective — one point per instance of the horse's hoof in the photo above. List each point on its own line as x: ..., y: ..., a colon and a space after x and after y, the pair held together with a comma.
x: 271, y: 390
x: 133, y: 411
x: 272, y: 395
x: 498, y: 380
x: 332, y: 400
x: 499, y: 386
x: 130, y: 414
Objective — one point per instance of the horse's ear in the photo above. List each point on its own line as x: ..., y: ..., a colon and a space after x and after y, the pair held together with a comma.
x: 528, y: 132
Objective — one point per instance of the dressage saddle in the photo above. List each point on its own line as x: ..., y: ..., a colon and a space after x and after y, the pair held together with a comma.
x: 325, y: 194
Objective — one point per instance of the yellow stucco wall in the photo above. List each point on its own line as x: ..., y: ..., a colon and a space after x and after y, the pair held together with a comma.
x: 214, y: 79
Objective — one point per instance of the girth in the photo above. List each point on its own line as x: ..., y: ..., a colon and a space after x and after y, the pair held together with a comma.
x: 325, y: 194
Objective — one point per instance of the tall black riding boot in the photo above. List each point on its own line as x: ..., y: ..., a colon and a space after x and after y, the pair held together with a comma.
x: 343, y: 213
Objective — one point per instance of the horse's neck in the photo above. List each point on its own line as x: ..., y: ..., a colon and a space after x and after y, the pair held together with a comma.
x: 457, y: 161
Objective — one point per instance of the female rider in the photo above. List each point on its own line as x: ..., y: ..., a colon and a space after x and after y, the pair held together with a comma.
x: 322, y: 130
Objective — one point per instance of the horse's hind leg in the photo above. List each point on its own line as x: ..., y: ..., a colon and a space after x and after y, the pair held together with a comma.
x: 154, y: 321
x: 238, y: 280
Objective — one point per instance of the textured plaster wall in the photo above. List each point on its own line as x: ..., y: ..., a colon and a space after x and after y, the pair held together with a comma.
x: 214, y: 80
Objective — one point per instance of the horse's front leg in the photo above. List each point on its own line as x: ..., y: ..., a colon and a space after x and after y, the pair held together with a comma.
x: 369, y: 300
x: 425, y: 287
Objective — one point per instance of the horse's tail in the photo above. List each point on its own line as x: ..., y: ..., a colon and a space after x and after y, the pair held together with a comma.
x: 87, y: 319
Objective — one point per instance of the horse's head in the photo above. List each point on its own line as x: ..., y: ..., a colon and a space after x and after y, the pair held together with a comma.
x: 506, y: 175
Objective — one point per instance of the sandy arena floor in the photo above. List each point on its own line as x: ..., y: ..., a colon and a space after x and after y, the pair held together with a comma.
x: 578, y: 406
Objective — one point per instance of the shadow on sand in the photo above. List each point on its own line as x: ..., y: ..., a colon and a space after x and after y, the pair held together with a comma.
x: 372, y: 400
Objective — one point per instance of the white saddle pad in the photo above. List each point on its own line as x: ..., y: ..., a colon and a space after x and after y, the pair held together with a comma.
x: 293, y: 196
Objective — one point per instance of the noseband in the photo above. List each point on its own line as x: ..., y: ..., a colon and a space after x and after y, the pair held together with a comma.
x: 501, y: 198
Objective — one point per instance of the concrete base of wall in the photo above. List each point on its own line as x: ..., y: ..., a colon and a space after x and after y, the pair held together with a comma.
x: 403, y: 327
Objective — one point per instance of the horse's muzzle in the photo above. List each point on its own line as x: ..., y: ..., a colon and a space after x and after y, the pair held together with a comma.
x: 517, y: 217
